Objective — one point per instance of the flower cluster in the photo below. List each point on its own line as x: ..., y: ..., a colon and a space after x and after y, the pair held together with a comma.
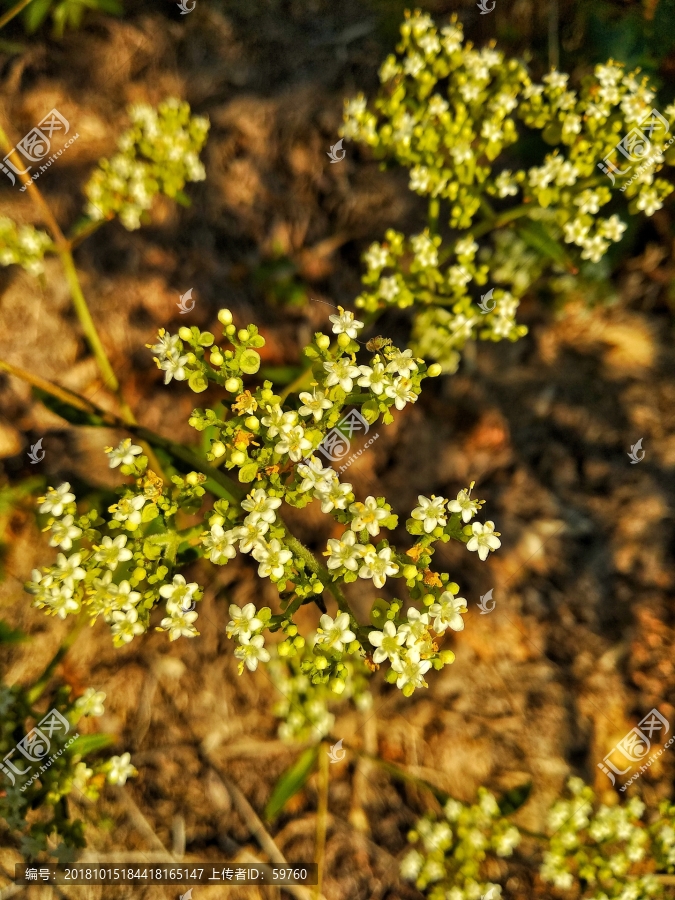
x: 595, y: 851
x: 23, y: 245
x: 50, y: 767
x: 159, y: 153
x: 447, y: 111
x: 305, y: 707
x: 609, y: 850
x: 122, y: 566
x: 448, y: 864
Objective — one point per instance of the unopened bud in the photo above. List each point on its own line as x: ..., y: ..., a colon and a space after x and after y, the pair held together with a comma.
x: 238, y: 458
x: 232, y: 385
x: 434, y: 370
x: 216, y: 357
x: 184, y: 333
x: 224, y: 316
x: 344, y: 340
x: 243, y: 334
x: 218, y: 449
x: 323, y: 342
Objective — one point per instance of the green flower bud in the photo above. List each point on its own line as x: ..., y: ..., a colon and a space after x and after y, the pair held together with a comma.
x: 321, y: 663
x: 192, y: 478
x: 409, y: 572
x: 344, y: 341
x: 252, y: 423
x: 299, y: 642
x: 233, y: 385
x: 323, y: 342
x: 230, y: 330
x: 216, y: 357
x: 224, y: 317
x: 184, y: 333
x: 318, y: 587
x: 238, y: 458
x: 243, y: 334
x: 218, y: 449
x: 434, y: 370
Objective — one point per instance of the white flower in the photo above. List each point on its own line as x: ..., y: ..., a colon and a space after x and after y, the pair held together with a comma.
x: 437, y: 105
x: 376, y: 378
x: 465, y: 505
x: 389, y: 288
x: 56, y: 500
x: 180, y: 624
x: 335, y: 497
x: 556, y: 80
x: 112, y: 552
x: 588, y: 202
x: 345, y: 323
x: 401, y: 392
x: 220, y: 545
x: 344, y: 552
x: 416, y: 629
x: 251, y: 651
x: 314, y: 404
x: 128, y: 510
x: 483, y: 539
x: 315, y: 477
x: 388, y: 643
x: 124, y: 453
x: 64, y: 532
x: 431, y: 512
x: 260, y: 505
x: 272, y: 558
x: 244, y: 621
x: 447, y: 612
x: 277, y: 421
x: 174, y: 367
x: 179, y: 594
x: 426, y: 255
x: 61, y: 602
x: 458, y: 276
x: 648, y: 201
x: 575, y: 231
x: 250, y: 534
x: 378, y: 566
x: 368, y: 515
x: 594, y: 248
x: 120, y: 768
x: 341, y: 372
x: 91, y: 703
x: 70, y: 570
x: 411, y: 672
x: 126, y: 625
x: 612, y: 228
x: 376, y: 257
x: 401, y: 362
x: 167, y: 344
x: 294, y: 443
x: 335, y: 634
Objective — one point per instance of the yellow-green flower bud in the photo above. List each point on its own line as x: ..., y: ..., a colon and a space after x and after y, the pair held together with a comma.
x: 139, y: 573
x: 336, y: 684
x: 232, y: 385
x: 184, y: 333
x: 252, y: 423
x: 218, y: 449
x: 434, y: 370
x: 238, y: 458
x: 224, y: 316
x: 318, y: 588
x: 243, y: 334
x: 409, y: 572
x: 284, y: 648
x: 344, y: 340
x: 216, y: 357
x: 323, y: 342
x: 230, y: 330
x: 292, y: 630
x: 299, y: 642
x: 192, y: 478
x: 321, y: 662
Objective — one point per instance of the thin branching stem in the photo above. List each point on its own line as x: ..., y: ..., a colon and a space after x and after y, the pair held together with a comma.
x: 14, y: 11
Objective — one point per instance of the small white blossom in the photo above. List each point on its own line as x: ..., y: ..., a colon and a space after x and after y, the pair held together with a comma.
x: 111, y: 551
x: 401, y: 363
x: 315, y: 476
x: 126, y: 625
x: 430, y: 512
x: 124, y: 453
x: 447, y: 612
x: 401, y: 392
x: 179, y: 595
x: 314, y: 404
x: 345, y: 323
x: 128, y: 510
x: 376, y: 378
x: 335, y: 497
x: 120, y: 768
x: 376, y: 257
x: 250, y: 534
x: 411, y: 672
x: 220, y: 545
x: 69, y: 569
x: 378, y: 566
x: 465, y: 505
x: 483, y: 539
x: 56, y: 500
x: 387, y: 643
x: 294, y: 443
x: 335, y: 634
x: 272, y: 558
x: 260, y: 505
x: 173, y: 366
x: 91, y: 703
x: 344, y: 552
x: 244, y: 621
x: 368, y: 515
x: 341, y: 372
x: 251, y: 651
x: 277, y: 421
x: 64, y: 532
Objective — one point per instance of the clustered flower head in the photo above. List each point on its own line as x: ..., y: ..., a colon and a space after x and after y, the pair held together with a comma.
x: 448, y: 863
x: 120, y: 567
x: 23, y: 245
x: 61, y: 763
x: 595, y: 852
x: 159, y: 153
x: 447, y: 111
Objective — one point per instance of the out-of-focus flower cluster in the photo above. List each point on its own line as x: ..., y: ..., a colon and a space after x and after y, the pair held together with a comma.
x: 23, y: 245
x: 447, y: 111
x: 305, y: 707
x: 60, y: 766
x: 448, y: 861
x: 121, y: 566
x: 607, y: 851
x: 594, y: 851
x: 159, y: 153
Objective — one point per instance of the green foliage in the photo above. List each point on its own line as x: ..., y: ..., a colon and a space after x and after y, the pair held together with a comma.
x: 448, y: 112
x: 291, y: 781
x: 64, y: 13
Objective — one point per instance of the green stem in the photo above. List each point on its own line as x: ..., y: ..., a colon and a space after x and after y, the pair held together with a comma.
x: 315, y: 566
x: 503, y: 219
x: 36, y: 691
x: 433, y: 214
x: 14, y: 11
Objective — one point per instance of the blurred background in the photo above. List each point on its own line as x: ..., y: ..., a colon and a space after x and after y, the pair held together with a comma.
x: 580, y: 644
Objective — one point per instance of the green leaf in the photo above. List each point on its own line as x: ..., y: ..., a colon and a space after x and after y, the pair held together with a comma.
x: 537, y: 236
x: 370, y: 411
x: 36, y: 13
x: 9, y: 635
x: 70, y: 413
x: 291, y: 781
x: 88, y: 743
x: 248, y: 472
x: 514, y: 799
